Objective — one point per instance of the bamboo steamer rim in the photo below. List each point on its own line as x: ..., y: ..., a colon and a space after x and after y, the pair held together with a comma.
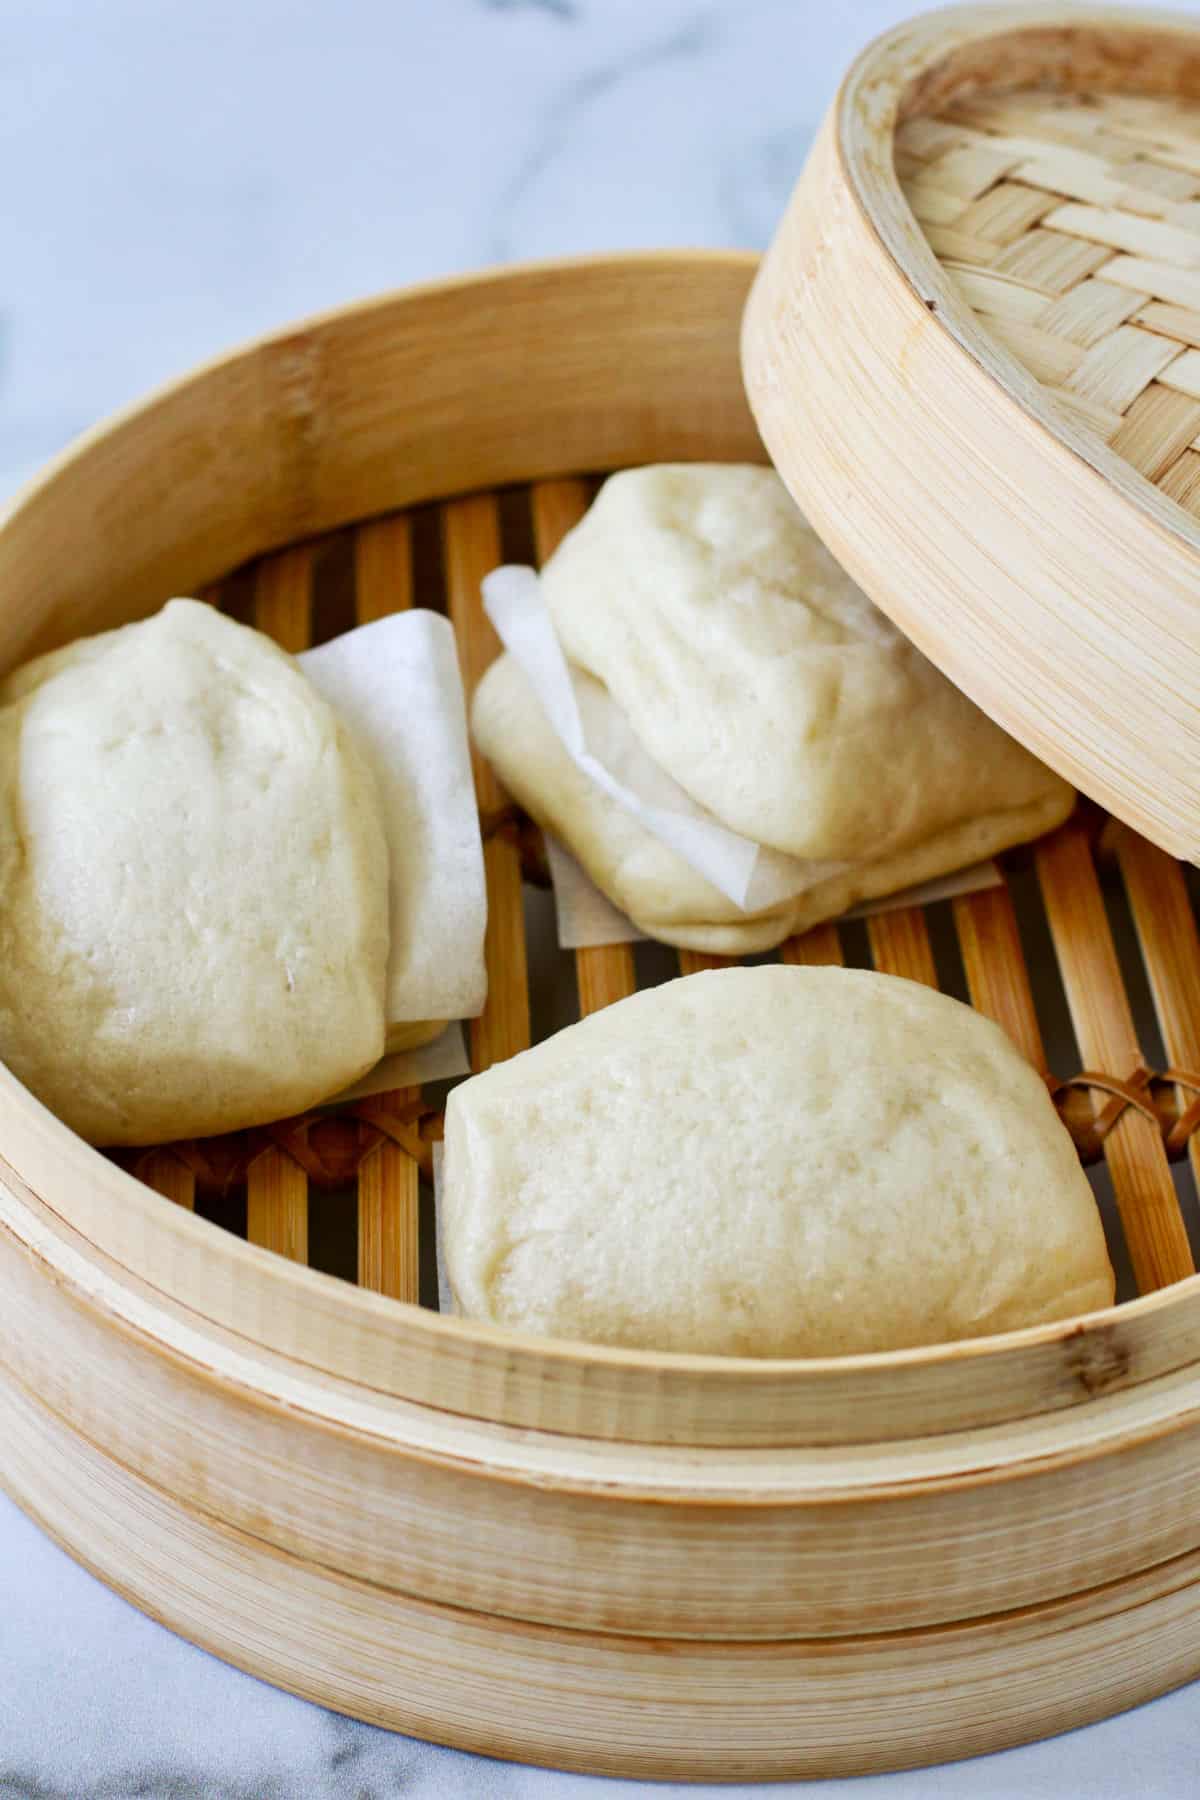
x: 892, y: 79
x: 68, y: 1204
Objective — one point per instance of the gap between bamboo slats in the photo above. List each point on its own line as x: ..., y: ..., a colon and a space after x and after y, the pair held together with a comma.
x: 388, y: 1179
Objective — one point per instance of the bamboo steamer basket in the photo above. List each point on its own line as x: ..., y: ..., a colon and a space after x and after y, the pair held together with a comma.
x: 217, y: 1387
x: 986, y: 293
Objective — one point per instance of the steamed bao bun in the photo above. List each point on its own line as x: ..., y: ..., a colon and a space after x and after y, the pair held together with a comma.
x: 193, y: 883
x: 758, y: 676
x: 772, y: 1161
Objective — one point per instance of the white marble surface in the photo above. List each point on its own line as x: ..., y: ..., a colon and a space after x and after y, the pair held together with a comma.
x: 178, y: 177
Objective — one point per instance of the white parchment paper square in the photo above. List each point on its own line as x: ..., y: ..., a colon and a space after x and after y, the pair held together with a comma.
x: 586, y: 917
x: 396, y: 683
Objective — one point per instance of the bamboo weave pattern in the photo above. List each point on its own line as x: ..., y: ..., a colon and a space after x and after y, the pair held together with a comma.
x: 1071, y: 225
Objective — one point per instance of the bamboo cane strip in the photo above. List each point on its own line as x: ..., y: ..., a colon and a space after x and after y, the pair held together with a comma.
x: 383, y: 576
x: 283, y: 597
x: 691, y: 962
x: 819, y: 947
x: 900, y: 945
x: 999, y: 985
x: 389, y: 1179
x: 1166, y: 928
x: 503, y: 1027
x: 276, y: 1188
x: 168, y: 1176
x: 471, y: 539
x: 1133, y: 1149
x: 994, y: 961
x: 471, y: 547
x: 388, y: 1231
x: 603, y: 972
x: 277, y: 1205
x: 557, y: 506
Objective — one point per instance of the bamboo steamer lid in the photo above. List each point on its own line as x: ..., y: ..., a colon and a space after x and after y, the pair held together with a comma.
x: 973, y: 352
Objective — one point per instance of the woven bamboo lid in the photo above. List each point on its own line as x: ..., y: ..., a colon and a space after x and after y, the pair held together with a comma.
x: 973, y: 351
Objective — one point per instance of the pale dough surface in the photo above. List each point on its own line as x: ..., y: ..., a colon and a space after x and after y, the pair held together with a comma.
x: 663, y: 895
x: 763, y: 680
x: 193, y: 883
x: 776, y: 1161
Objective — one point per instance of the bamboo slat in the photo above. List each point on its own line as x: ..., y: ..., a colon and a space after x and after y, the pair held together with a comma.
x: 383, y: 571
x: 818, y: 947
x: 900, y: 945
x: 388, y: 1179
x: 276, y: 1188
x: 999, y: 985
x: 471, y: 542
x: 277, y: 1205
x: 691, y: 962
x: 994, y: 962
x: 1153, y: 1224
x: 604, y: 973
x: 169, y: 1176
x: 388, y: 1241
x: 1166, y: 927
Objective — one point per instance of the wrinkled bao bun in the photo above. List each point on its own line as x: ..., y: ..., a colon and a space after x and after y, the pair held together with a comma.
x: 776, y: 1161
x: 756, y: 673
x: 193, y: 883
